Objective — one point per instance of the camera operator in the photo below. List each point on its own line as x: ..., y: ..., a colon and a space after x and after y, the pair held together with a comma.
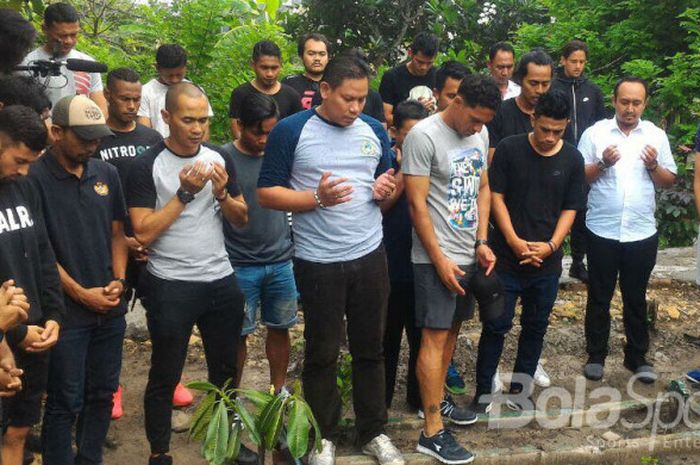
x: 16, y: 39
x: 61, y: 27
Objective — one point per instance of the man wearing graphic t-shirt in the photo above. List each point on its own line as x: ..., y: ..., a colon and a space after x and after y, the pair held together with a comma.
x: 397, y: 82
x: 266, y: 63
x: 314, y: 51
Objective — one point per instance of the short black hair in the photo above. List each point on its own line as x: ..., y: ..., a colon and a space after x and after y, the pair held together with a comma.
x: 318, y: 37
x: 23, y: 90
x: 345, y: 67
x: 408, y: 109
x: 255, y: 108
x: 60, y: 13
x: 21, y: 124
x: 450, y: 69
x: 266, y: 48
x: 425, y: 42
x: 574, y: 46
x: 536, y: 56
x: 122, y: 74
x: 478, y: 90
x: 553, y: 104
x: 500, y: 47
x: 16, y: 39
x: 171, y: 56
x: 636, y: 79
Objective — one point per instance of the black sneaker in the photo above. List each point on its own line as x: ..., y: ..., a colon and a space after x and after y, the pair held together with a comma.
x: 578, y: 271
x: 519, y: 404
x: 160, y: 459
x: 444, y: 448
x: 480, y: 405
x: 453, y: 412
x: 246, y: 457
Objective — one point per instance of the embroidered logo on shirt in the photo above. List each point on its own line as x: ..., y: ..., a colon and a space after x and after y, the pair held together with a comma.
x: 101, y: 188
x: 369, y: 149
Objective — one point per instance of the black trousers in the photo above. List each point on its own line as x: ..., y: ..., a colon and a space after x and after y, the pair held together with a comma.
x: 172, y: 310
x: 579, y: 235
x: 331, y: 293
x: 401, y: 314
x: 633, y: 262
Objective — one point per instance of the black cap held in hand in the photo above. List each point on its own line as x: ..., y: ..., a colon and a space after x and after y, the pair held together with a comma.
x: 488, y: 291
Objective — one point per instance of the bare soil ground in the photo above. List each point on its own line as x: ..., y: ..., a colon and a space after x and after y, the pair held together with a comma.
x: 563, y: 356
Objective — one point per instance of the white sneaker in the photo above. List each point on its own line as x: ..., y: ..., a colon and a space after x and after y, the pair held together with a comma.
x: 496, y: 384
x: 541, y: 377
x: 326, y: 456
x: 383, y: 450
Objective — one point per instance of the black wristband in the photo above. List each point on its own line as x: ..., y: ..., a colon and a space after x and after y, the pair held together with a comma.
x: 479, y: 242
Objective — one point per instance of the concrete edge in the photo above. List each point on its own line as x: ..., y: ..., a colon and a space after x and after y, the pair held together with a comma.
x: 628, y: 451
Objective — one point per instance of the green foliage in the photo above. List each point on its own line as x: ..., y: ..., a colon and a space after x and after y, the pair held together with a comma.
x: 344, y: 382
x: 223, y: 416
x: 218, y: 35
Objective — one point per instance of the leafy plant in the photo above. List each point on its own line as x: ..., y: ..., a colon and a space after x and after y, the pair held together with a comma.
x: 344, y: 382
x: 221, y: 417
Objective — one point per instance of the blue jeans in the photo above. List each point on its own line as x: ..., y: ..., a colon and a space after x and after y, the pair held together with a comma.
x: 270, y: 287
x: 537, y: 294
x: 83, y: 375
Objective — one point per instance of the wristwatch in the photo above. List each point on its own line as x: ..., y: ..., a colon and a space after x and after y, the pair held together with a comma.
x: 184, y: 196
x: 602, y: 166
x: 479, y: 242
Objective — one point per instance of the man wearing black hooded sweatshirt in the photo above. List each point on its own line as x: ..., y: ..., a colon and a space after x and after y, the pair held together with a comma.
x: 587, y: 107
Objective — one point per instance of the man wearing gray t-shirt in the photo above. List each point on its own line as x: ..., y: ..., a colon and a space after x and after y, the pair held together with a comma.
x: 444, y: 166
x: 261, y: 251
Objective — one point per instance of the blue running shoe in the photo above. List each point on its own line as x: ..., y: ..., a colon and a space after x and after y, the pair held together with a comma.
x: 454, y: 382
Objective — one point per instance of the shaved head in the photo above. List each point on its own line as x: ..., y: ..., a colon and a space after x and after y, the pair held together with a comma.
x: 187, y: 89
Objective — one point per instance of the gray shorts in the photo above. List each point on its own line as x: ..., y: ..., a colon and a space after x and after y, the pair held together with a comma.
x: 436, y: 306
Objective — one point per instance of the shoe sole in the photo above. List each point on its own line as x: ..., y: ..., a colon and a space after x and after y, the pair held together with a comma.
x: 421, y: 415
x: 453, y: 390
x: 438, y: 457
x: 370, y: 454
x: 692, y: 380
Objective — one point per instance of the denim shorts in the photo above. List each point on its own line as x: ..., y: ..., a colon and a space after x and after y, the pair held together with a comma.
x: 272, y: 289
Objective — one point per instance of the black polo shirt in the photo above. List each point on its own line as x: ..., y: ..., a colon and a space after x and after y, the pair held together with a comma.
x: 78, y: 214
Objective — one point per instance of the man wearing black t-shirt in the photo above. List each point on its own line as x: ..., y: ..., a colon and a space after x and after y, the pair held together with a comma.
x: 397, y: 82
x: 537, y: 186
x: 534, y: 74
x: 266, y: 64
x: 314, y: 50
x: 27, y: 258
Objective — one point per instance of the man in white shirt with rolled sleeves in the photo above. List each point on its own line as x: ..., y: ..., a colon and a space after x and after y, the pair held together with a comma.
x: 626, y: 159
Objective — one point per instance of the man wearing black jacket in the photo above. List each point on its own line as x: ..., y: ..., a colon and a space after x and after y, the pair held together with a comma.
x: 587, y: 108
x: 26, y: 256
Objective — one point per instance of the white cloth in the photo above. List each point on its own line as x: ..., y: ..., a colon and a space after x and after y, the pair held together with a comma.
x: 622, y: 201
x: 512, y: 91
x: 70, y: 82
x: 153, y: 101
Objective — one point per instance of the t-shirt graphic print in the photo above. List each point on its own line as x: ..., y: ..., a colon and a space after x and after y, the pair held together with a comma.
x: 465, y: 176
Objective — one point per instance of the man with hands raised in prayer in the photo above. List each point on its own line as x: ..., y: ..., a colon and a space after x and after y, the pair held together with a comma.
x: 179, y: 193
x: 330, y: 166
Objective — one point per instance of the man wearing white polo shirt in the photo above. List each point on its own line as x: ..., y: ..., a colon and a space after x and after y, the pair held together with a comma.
x: 626, y: 159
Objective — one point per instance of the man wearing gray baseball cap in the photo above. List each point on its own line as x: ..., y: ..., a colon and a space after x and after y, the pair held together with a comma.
x: 84, y: 213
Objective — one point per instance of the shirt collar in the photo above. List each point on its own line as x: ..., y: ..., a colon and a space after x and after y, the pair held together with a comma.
x: 59, y: 172
x: 614, y: 127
